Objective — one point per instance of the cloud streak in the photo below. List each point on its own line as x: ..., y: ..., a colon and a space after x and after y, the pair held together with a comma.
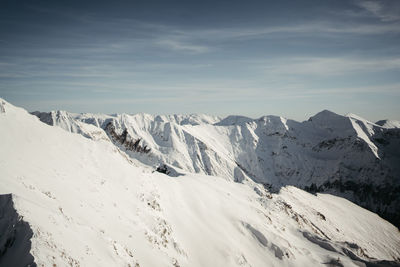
x: 178, y: 45
x: 331, y: 66
x: 388, y: 10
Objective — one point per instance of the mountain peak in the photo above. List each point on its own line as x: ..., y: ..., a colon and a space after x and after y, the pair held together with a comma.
x: 325, y: 114
x: 331, y: 120
x: 234, y: 120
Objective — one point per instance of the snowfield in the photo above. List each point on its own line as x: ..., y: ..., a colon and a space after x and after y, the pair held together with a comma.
x: 83, y: 199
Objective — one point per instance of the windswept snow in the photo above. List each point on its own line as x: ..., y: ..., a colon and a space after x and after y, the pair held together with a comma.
x: 89, y: 202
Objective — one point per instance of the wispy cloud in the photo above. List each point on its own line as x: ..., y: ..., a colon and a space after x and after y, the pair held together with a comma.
x: 315, y: 29
x: 386, y: 10
x: 178, y: 45
x: 331, y: 66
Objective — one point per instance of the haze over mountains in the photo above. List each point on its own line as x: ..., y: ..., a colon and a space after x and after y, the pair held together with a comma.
x: 197, y: 190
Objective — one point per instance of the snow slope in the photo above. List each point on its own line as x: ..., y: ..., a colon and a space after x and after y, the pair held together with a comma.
x: 89, y: 204
x: 344, y: 155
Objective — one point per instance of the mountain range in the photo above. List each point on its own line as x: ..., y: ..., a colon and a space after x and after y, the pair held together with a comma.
x: 347, y: 156
x: 197, y: 190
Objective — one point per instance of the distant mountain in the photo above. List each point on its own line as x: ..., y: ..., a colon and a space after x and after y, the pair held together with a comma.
x: 388, y: 123
x: 98, y: 201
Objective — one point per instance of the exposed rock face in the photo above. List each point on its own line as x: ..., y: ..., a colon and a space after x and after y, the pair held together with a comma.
x: 15, y: 235
x: 126, y: 140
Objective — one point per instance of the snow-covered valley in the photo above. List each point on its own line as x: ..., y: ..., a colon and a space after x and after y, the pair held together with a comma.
x: 91, y: 195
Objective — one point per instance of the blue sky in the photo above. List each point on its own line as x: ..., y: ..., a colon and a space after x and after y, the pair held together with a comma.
x: 290, y: 58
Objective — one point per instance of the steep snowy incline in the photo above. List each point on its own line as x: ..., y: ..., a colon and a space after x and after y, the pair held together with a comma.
x: 88, y: 204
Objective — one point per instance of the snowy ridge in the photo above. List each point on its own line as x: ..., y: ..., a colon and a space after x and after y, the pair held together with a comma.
x: 344, y: 155
x: 88, y: 204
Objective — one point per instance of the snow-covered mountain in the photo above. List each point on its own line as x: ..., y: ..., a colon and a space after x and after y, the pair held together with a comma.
x: 389, y: 123
x: 344, y: 155
x: 71, y: 200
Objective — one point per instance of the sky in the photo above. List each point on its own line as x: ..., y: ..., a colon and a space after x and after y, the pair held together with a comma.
x: 251, y: 58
